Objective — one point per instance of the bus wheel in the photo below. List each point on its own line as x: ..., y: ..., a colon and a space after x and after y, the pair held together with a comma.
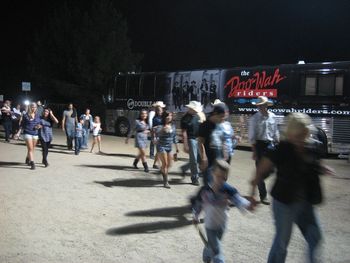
x: 122, y: 127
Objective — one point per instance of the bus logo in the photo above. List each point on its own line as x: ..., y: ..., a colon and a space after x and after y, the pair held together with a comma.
x: 260, y: 84
x: 131, y: 104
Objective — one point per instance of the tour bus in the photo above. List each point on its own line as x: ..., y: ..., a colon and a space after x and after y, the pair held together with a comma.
x: 321, y: 90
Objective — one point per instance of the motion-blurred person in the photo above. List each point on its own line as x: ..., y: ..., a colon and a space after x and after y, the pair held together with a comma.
x: 157, y: 121
x: 263, y: 135
x: 45, y: 133
x: 30, y: 125
x: 69, y: 121
x: 96, y: 133
x: 166, y: 137
x: 79, y: 135
x: 151, y: 115
x: 7, y: 119
x: 141, y: 134
x: 210, y: 142
x: 189, y: 127
x: 297, y: 187
x: 87, y: 126
x: 16, y: 117
x: 214, y: 199
x: 40, y: 107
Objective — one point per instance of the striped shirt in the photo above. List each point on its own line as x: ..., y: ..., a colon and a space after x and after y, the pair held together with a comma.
x: 263, y: 128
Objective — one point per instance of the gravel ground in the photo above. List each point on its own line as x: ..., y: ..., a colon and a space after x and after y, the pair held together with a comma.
x: 96, y: 208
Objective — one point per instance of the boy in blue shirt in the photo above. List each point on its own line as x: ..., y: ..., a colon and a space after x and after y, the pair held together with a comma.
x: 79, y: 134
x: 215, y: 199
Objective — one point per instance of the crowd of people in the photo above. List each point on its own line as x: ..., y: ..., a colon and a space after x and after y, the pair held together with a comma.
x: 209, y: 142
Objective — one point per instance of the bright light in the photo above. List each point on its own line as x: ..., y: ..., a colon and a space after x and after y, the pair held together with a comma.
x: 26, y: 102
x: 301, y: 62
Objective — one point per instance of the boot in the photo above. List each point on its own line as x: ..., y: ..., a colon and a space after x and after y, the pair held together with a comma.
x: 135, y: 163
x: 27, y: 161
x: 145, y: 165
x: 45, y: 163
x: 165, y: 180
x: 32, y: 165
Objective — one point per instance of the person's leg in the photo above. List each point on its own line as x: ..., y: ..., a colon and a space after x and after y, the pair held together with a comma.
x: 260, y: 148
x: 284, y: 216
x: 308, y: 223
x: 151, y: 150
x: 93, y: 143
x: 44, y: 148
x: 163, y: 157
x: 137, y: 158
x: 7, y: 126
x: 213, y: 250
x: 85, y: 139
x: 99, y: 143
x: 143, y: 159
x: 193, y: 154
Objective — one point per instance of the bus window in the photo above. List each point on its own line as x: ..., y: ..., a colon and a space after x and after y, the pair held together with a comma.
x: 147, y: 87
x: 339, y: 83
x: 120, y: 86
x: 326, y: 85
x: 133, y: 84
x: 310, y: 86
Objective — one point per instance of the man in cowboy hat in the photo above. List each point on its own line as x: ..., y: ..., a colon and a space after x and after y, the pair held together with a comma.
x: 151, y: 115
x: 189, y: 126
x: 263, y: 134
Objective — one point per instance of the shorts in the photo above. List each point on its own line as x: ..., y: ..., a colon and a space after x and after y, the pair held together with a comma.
x: 30, y: 137
x: 163, y: 149
x: 96, y: 135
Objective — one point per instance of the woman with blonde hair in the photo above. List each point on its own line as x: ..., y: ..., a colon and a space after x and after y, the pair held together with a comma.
x: 297, y: 187
x: 30, y: 126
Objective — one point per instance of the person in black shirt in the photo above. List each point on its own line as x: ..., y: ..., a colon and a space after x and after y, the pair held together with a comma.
x: 297, y: 187
x: 209, y: 140
x: 189, y: 127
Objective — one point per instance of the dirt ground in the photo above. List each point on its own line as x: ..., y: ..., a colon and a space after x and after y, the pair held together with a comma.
x: 96, y: 208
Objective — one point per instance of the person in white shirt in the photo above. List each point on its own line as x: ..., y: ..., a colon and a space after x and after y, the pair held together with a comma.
x: 96, y: 133
x: 263, y: 135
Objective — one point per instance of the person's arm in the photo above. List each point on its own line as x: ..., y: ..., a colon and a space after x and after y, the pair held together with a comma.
x: 202, y: 154
x: 252, y: 134
x: 63, y: 122
x: 185, y: 140
x: 53, y: 117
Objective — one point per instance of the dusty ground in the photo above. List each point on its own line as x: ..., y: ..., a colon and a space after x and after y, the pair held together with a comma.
x: 96, y: 208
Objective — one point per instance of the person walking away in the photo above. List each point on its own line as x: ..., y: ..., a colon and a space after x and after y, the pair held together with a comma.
x: 45, y: 132
x: 263, y: 135
x: 69, y: 121
x: 157, y: 121
x: 79, y: 135
x: 166, y: 136
x: 297, y: 187
x: 214, y: 199
x: 209, y: 141
x: 7, y: 119
x: 40, y: 108
x: 189, y: 127
x: 30, y: 125
x: 141, y: 134
x: 87, y: 126
x: 96, y: 133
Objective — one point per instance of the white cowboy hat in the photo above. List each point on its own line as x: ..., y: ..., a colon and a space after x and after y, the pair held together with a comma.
x: 262, y: 100
x: 217, y: 101
x: 195, y: 105
x: 159, y: 104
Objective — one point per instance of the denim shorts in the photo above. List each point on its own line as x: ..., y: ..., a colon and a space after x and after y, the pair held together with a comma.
x: 163, y: 149
x: 30, y: 137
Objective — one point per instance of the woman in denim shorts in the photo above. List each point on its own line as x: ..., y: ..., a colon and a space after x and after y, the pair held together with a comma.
x: 166, y: 134
x: 30, y: 125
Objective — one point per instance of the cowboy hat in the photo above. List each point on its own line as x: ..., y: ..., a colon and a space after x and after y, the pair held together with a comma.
x: 195, y: 105
x: 262, y: 100
x: 217, y: 101
x: 159, y: 104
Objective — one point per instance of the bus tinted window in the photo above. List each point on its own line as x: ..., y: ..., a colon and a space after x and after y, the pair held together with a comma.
x: 339, y: 83
x: 120, y: 87
x: 310, y: 86
x: 133, y: 89
x: 326, y: 85
x: 322, y: 85
x: 147, y: 87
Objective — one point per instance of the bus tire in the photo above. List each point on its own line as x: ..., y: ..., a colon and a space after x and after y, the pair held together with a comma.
x: 122, y: 127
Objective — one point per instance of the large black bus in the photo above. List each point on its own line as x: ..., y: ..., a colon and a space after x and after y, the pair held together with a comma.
x: 321, y: 90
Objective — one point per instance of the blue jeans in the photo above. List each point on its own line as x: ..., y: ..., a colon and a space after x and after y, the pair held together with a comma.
x: 70, y: 133
x: 151, y: 149
x: 193, y: 163
x: 301, y: 213
x: 86, y: 138
x: 214, y: 251
x: 8, y: 128
x: 78, y: 144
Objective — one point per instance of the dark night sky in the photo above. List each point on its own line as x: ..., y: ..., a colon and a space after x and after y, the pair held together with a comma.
x: 185, y: 34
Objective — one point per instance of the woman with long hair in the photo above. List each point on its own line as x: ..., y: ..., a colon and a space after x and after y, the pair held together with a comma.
x: 45, y: 134
x: 30, y: 125
x: 69, y: 120
x: 166, y: 134
x: 141, y: 134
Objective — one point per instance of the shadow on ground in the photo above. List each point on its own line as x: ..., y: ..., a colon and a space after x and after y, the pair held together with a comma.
x: 137, y: 182
x: 176, y: 213
x: 13, y: 165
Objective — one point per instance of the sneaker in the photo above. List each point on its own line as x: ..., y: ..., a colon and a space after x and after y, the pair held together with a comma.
x: 155, y: 166
x: 195, y: 182
x: 265, y: 201
x: 167, y: 185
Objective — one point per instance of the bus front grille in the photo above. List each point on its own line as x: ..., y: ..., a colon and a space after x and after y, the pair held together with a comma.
x: 341, y: 131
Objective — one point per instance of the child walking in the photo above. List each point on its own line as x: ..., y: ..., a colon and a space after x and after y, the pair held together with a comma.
x: 214, y: 199
x: 79, y: 135
x: 96, y: 133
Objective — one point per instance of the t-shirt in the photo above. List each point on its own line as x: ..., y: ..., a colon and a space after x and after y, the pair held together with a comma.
x: 212, y: 141
x: 190, y: 123
x: 157, y: 120
x: 297, y: 175
x: 70, y: 121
